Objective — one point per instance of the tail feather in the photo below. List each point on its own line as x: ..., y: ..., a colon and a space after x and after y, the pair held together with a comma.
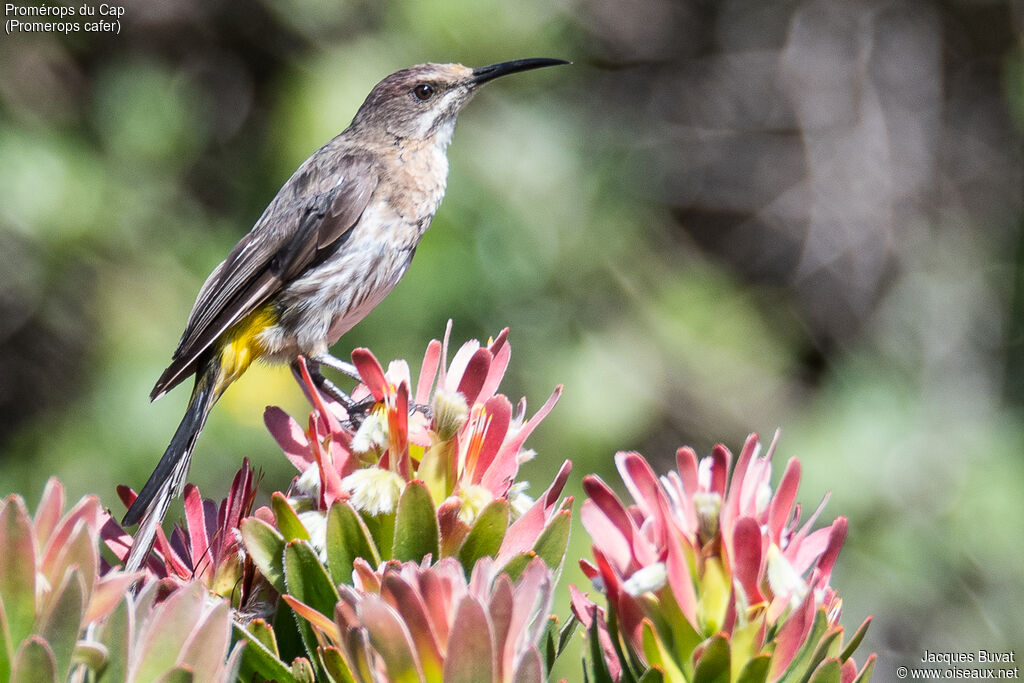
x: 168, y: 479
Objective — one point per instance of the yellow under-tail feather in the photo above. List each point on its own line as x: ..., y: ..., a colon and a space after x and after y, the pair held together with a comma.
x: 241, y: 345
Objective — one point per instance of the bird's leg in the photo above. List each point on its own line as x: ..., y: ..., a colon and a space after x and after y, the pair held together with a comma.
x: 341, y: 366
x: 356, y: 409
x: 322, y: 383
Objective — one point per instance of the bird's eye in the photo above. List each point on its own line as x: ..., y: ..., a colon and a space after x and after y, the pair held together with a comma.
x: 423, y: 91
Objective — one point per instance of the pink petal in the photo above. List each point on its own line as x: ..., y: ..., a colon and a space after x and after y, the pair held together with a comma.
x: 828, y: 558
x: 289, y: 436
x: 524, y: 531
x: 746, y: 557
x: 498, y: 477
x: 501, y: 353
x: 791, y: 636
x: 782, y: 503
x: 199, y: 542
x: 442, y: 377
x: 427, y: 372
x: 608, y: 524
x: 499, y: 414
x: 678, y: 570
x: 686, y: 463
x: 720, y: 457
x: 731, y: 504
x: 371, y: 373
x: 474, y: 375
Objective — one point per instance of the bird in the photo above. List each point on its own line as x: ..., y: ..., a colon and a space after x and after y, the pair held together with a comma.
x: 333, y: 242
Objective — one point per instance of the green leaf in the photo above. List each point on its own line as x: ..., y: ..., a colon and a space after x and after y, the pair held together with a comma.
x: 347, y: 539
x: 598, y: 666
x: 652, y: 676
x: 486, y: 534
x: 209, y: 643
x: 260, y: 630
x: 288, y: 522
x: 116, y: 637
x: 550, y: 546
x: 63, y: 620
x: 756, y: 670
x: 865, y: 675
x: 829, y: 671
x: 469, y: 643
x: 265, y: 546
x: 17, y: 574
x: 336, y: 667
x: 416, y: 534
x: 382, y: 531
x: 259, y: 660
x: 826, y: 644
x: 307, y: 580
x: 713, y: 665
x: 855, y: 640
x: 34, y: 662
x: 177, y: 675
x: 302, y: 670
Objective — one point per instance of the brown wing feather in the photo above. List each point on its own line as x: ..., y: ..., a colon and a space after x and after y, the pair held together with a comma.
x: 302, y: 223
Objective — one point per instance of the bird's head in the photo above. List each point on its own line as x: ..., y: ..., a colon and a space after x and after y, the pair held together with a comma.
x: 422, y: 102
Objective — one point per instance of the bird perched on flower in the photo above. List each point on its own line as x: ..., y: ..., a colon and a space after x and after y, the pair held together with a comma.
x: 333, y: 242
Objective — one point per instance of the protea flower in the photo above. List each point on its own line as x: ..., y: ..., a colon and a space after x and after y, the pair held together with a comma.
x: 409, y: 622
x: 445, y: 450
x: 712, y: 572
x: 205, y: 547
x: 66, y: 615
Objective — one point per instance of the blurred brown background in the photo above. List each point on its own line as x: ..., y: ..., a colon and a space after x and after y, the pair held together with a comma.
x: 725, y: 217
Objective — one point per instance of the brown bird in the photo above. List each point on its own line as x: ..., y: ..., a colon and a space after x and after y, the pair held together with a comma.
x: 333, y: 242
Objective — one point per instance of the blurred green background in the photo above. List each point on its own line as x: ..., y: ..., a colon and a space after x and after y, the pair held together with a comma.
x: 724, y: 217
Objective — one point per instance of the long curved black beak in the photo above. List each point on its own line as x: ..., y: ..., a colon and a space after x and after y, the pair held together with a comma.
x: 489, y: 73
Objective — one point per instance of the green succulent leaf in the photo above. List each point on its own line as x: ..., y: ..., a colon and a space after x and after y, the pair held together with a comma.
x: 713, y: 665
x: 416, y: 534
x: 17, y: 573
x: 382, y: 532
x: 596, y: 662
x: 259, y: 661
x: 306, y: 579
x: 265, y: 546
x: 855, y: 640
x: 288, y: 522
x: 865, y: 675
x: 34, y: 662
x: 336, y: 667
x: 828, y: 671
x: 302, y: 670
x: 756, y: 670
x: 116, y: 637
x: 63, y: 620
x: 486, y: 534
x: 469, y: 639
x: 177, y: 675
x: 261, y: 631
x: 179, y: 614
x: 347, y: 539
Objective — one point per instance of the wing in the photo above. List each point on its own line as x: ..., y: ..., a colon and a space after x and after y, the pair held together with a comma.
x: 303, y: 223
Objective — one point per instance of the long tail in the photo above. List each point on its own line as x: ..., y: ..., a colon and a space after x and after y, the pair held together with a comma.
x: 168, y: 479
